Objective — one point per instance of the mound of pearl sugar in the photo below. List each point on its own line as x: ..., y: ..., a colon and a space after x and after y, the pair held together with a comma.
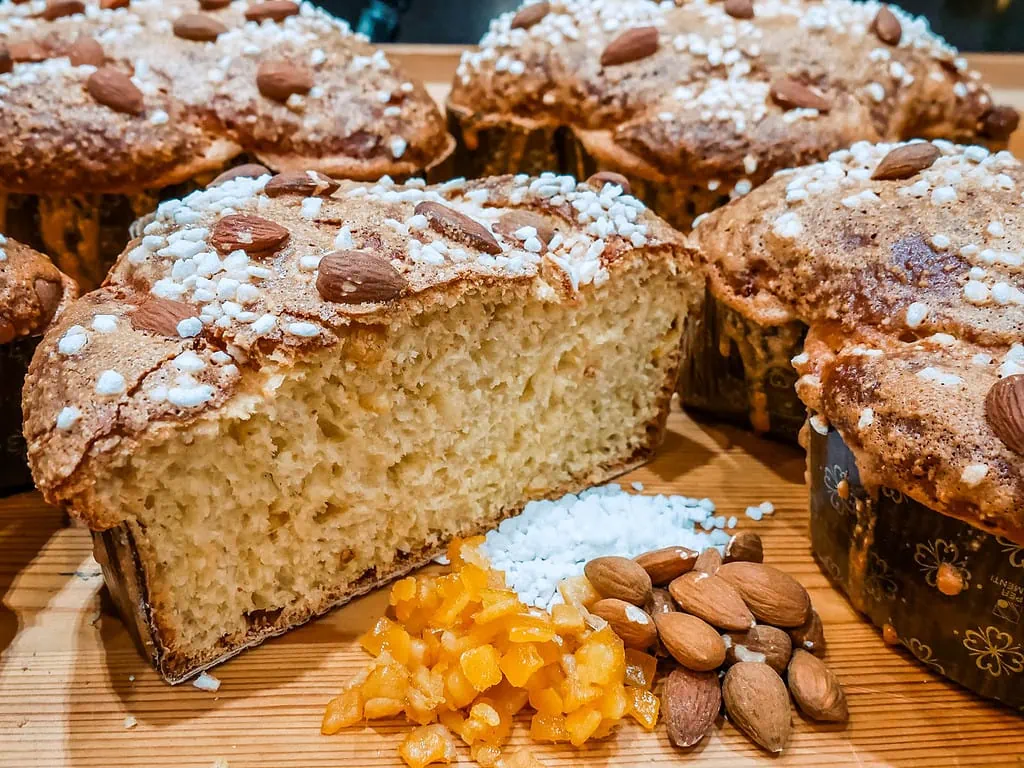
x: 552, y: 540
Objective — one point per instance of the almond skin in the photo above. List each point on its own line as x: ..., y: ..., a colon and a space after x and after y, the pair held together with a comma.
x: 810, y: 635
x: 906, y: 161
x: 632, y: 45
x: 664, y: 565
x: 57, y: 9
x: 816, y: 689
x: 198, y: 27
x: 712, y: 599
x: 1000, y: 122
x: 161, y: 316
x: 114, y: 89
x: 771, y: 642
x: 6, y: 61
x: 278, y: 80
x: 691, y: 641
x: 85, y: 50
x: 355, y: 277
x: 690, y: 702
x: 255, y: 235
x: 511, y: 222
x: 745, y: 546
x: 757, y: 703
x: 740, y: 9
x: 457, y: 226
x: 303, y: 183
x: 774, y: 597
x: 214, y: 5
x: 111, y: 5
x: 887, y: 27
x: 530, y: 15
x: 633, y: 625
x: 709, y: 561
x: 49, y: 293
x: 1004, y: 411
x: 661, y: 602
x: 246, y: 171
x: 792, y: 94
x: 274, y: 10
x: 619, y: 577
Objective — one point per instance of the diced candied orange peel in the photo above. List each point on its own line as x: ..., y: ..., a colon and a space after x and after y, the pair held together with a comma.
x: 461, y: 655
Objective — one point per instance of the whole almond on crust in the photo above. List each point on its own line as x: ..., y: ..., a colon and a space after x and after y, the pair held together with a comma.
x: 887, y: 27
x: 27, y: 51
x: 457, y: 226
x: 816, y: 689
x: 709, y: 561
x: 745, y: 546
x: 599, y: 179
x: 810, y: 635
x: 6, y: 61
x: 792, y: 94
x: 906, y: 161
x: 85, y: 50
x: 633, y: 625
x: 279, y: 79
x: 772, y: 643
x: 740, y: 9
x: 632, y: 45
x: 49, y: 293
x: 58, y: 9
x: 510, y: 223
x: 113, y: 5
x: 214, y: 5
x: 691, y: 641
x: 1004, y: 411
x: 114, y: 89
x: 159, y: 315
x: 274, y: 10
x: 245, y: 171
x: 661, y: 602
x: 304, y: 183
x: 757, y: 703
x: 198, y: 27
x: 530, y: 14
x: 690, y: 702
x: 774, y: 597
x: 255, y: 235
x: 356, y: 277
x: 1000, y: 122
x: 712, y: 599
x: 664, y: 565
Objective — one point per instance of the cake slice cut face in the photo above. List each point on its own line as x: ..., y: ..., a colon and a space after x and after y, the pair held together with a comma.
x: 292, y: 398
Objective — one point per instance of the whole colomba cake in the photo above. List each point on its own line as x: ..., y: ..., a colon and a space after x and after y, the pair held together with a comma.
x: 33, y: 293
x: 108, y: 107
x: 905, y: 261
x: 292, y: 389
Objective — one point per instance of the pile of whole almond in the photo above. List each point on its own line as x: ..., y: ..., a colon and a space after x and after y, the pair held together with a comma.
x: 740, y: 630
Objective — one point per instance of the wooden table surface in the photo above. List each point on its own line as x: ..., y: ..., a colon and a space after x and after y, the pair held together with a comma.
x: 70, y: 676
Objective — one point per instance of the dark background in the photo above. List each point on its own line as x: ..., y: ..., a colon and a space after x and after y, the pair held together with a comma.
x: 972, y: 25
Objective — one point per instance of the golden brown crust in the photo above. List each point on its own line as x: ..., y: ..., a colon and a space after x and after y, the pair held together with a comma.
x: 104, y: 379
x: 33, y: 292
x: 201, y: 104
x: 913, y: 291
x: 699, y: 109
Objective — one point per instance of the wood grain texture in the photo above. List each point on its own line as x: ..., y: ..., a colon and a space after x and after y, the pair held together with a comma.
x: 67, y: 663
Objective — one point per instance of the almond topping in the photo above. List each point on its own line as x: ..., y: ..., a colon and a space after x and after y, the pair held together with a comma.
x: 280, y: 79
x: 599, y: 179
x: 246, y: 171
x: 712, y: 599
x: 355, y: 277
x: 255, y: 235
x: 49, y: 293
x: 691, y: 641
x: 1004, y: 411
x: 740, y: 9
x: 274, y: 10
x: 906, y: 161
x: 86, y: 51
x: 114, y: 89
x: 757, y: 703
x: 816, y: 689
x: 632, y: 45
x: 198, y: 27
x: 304, y: 183
x: 6, y: 60
x: 774, y: 597
x: 457, y: 226
x: 29, y: 51
x: 689, y: 705
x: 113, y: 5
x: 887, y: 27
x: 619, y: 577
x: 214, y: 5
x: 530, y: 15
x: 792, y: 94
x: 158, y: 315
x: 1000, y: 122
x: 57, y: 9
x: 664, y: 565
x: 633, y: 625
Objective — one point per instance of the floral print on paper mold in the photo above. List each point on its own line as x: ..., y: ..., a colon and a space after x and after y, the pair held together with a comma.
x: 994, y: 651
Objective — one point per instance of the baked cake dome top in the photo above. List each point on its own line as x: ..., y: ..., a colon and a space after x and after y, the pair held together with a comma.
x: 726, y: 92
x: 113, y: 96
x: 906, y: 261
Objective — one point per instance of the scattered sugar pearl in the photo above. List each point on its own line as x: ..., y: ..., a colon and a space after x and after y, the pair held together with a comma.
x: 130, y: 721
x: 916, y: 313
x: 110, y: 383
x: 73, y: 340
x: 940, y: 242
x: 68, y: 417
x: 264, y: 324
x: 996, y: 229
x: 943, y: 195
x: 189, y: 362
x: 104, y: 323
x: 800, y: 359
x: 981, y: 359
x: 206, y: 682
x: 190, y: 397
x: 757, y: 513
x: 190, y: 327
x: 818, y: 424
x: 788, y: 226
x: 867, y: 418
x: 303, y: 329
x: 398, y: 146
x: 973, y: 474
x: 976, y: 292
x: 311, y: 207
